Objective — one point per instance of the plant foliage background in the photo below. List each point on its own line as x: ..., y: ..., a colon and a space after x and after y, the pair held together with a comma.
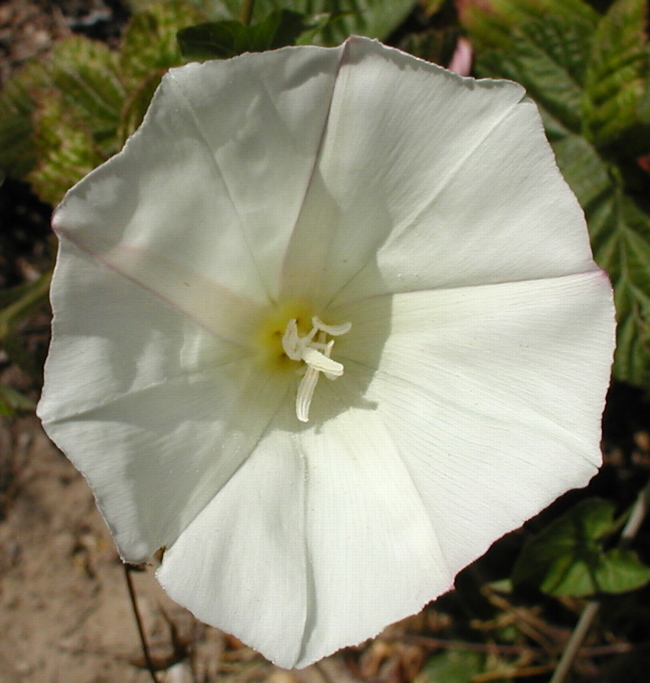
x: 587, y: 65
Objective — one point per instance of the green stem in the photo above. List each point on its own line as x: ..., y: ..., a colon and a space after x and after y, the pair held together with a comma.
x: 246, y: 14
x: 34, y: 295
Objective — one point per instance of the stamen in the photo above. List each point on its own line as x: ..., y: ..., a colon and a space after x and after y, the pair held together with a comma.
x: 305, y: 394
x: 322, y: 363
x: 315, y: 353
x: 332, y: 330
x: 291, y: 341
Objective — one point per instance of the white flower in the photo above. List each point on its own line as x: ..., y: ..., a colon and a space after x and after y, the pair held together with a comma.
x: 326, y: 328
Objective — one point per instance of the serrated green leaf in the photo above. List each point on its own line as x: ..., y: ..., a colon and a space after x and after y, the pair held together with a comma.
x: 616, y: 79
x: 66, y: 147
x: 75, y: 109
x: 149, y: 49
x: 149, y: 45
x: 76, y: 98
x: 491, y: 23
x: 584, y: 170
x: 567, y: 557
x: 85, y: 75
x: 549, y: 58
x: 17, y: 152
x: 620, y: 238
x: 632, y: 292
x: 373, y: 18
x: 224, y: 39
x: 81, y: 75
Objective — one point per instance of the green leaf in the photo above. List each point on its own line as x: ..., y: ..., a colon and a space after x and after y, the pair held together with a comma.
x: 85, y: 74
x: 17, y: 152
x: 76, y: 96
x: 554, y: 59
x: 492, y: 23
x: 601, y: 88
x: 149, y: 49
x: 149, y: 45
x: 567, y: 557
x: 549, y: 58
x: 616, y: 79
x: 621, y: 571
x: 12, y: 401
x: 631, y: 289
x: 585, y: 171
x: 66, y: 147
x: 620, y: 238
x: 223, y: 39
x: 373, y: 18
x: 452, y: 666
x: 68, y: 113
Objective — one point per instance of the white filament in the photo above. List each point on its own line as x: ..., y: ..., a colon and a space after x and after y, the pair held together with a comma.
x: 314, y: 350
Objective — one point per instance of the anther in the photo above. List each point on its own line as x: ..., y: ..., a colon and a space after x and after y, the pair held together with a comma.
x: 314, y: 350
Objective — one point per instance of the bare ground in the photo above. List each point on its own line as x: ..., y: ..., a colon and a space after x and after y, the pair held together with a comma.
x: 65, y: 613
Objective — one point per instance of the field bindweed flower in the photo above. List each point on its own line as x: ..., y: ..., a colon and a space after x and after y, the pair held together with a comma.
x: 326, y: 328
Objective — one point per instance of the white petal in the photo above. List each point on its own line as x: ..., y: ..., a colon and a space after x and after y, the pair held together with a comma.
x: 470, y: 424
x: 331, y: 544
x: 112, y: 337
x: 507, y: 202
x: 215, y: 177
x: 422, y: 170
x: 155, y: 458
x: 241, y: 565
x: 373, y: 552
x: 222, y: 311
x: 183, y: 241
x: 495, y: 402
x: 156, y: 412
x: 337, y: 176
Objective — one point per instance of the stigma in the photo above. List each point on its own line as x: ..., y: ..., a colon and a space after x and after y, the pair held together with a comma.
x: 314, y: 349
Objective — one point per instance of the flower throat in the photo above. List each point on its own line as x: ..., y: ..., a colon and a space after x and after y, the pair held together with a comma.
x: 314, y: 349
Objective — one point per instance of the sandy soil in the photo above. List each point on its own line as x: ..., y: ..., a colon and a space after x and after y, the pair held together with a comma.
x: 65, y: 614
x: 65, y: 610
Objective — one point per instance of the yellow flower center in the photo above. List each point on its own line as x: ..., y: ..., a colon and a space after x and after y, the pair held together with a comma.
x: 288, y: 337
